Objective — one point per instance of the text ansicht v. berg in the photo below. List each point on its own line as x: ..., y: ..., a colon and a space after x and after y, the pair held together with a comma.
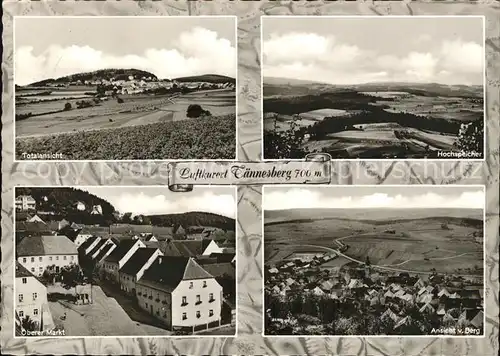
x: 237, y: 172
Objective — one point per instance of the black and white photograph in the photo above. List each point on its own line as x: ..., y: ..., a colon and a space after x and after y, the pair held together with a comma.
x: 125, y: 88
x: 374, y: 260
x: 373, y: 87
x: 125, y: 261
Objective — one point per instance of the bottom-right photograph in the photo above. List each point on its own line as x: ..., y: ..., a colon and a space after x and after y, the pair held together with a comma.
x: 374, y: 260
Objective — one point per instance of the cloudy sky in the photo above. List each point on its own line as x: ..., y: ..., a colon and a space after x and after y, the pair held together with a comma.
x: 160, y: 200
x: 358, y: 197
x: 168, y: 47
x: 361, y: 50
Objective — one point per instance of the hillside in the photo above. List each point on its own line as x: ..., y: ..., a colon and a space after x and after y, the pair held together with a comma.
x: 194, y: 218
x: 374, y: 216
x: 290, y: 81
x: 62, y: 203
x: 208, y: 78
x: 285, y: 86
x: 102, y: 74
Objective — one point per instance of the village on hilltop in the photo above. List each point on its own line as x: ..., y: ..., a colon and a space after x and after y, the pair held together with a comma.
x: 124, y: 279
x: 137, y: 84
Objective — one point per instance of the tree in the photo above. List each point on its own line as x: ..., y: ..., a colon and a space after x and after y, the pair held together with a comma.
x: 127, y: 218
x: 194, y: 110
x: 28, y: 324
x: 367, y: 261
x: 119, y: 100
x: 146, y: 220
x: 101, y: 90
x: 71, y: 276
x: 471, y: 137
x: 284, y: 144
x: 48, y: 275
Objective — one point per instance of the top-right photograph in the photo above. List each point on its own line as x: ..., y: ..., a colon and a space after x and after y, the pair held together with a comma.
x: 381, y: 87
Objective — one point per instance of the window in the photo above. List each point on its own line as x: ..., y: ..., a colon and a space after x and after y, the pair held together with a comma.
x: 204, y: 284
x: 72, y: 258
x: 211, y: 312
x: 25, y: 280
x: 198, y: 314
x: 184, y: 300
x: 21, y: 314
x: 35, y: 311
x: 40, y: 269
x: 24, y: 259
x: 184, y: 316
x: 65, y: 258
x: 35, y: 296
x: 40, y: 259
x: 190, y: 285
x: 50, y: 258
x: 21, y: 297
x: 57, y: 258
x: 33, y: 269
x: 211, y: 297
x: 32, y: 259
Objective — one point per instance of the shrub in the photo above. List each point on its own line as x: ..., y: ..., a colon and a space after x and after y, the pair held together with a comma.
x: 67, y: 106
x: 194, y: 110
x: 285, y: 144
x: 83, y: 104
x: 119, y: 100
x: 23, y: 116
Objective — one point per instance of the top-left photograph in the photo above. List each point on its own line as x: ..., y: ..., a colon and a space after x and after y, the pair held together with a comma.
x: 125, y: 88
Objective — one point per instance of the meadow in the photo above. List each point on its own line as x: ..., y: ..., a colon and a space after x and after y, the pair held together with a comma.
x: 414, y: 240
x: 49, y: 117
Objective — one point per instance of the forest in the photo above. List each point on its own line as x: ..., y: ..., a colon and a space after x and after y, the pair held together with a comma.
x: 62, y: 203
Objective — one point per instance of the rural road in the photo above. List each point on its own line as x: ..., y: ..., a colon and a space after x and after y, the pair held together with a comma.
x: 430, y: 259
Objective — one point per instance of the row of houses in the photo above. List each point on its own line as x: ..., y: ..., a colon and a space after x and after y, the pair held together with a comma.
x: 142, y: 265
x: 133, y: 85
x: 168, y: 279
x: 451, y: 299
x: 30, y: 224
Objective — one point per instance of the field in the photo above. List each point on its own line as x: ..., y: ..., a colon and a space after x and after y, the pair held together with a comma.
x: 202, y: 138
x: 318, y: 115
x: 41, y: 116
x: 422, y: 240
x: 355, y: 121
x: 136, y: 109
x: 382, y: 137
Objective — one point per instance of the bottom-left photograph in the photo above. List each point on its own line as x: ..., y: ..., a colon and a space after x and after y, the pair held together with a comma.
x: 125, y: 261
